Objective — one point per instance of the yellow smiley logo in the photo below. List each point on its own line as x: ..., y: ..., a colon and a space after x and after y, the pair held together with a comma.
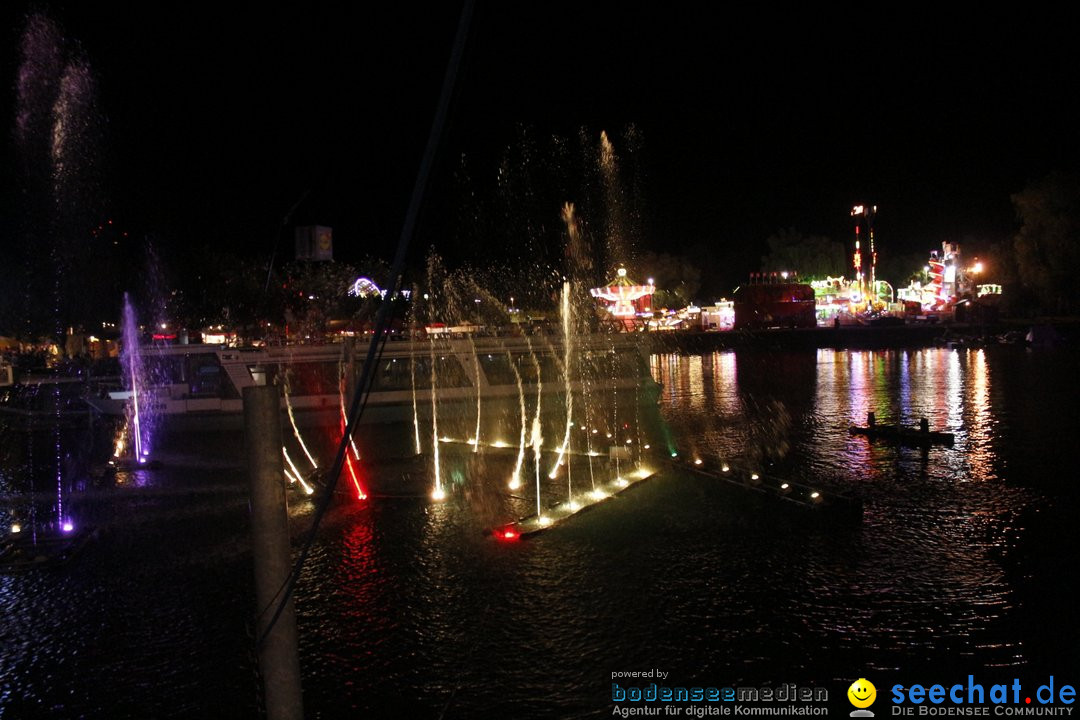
x: 862, y: 693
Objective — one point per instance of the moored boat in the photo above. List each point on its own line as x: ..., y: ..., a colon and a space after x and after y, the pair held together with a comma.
x: 205, y: 383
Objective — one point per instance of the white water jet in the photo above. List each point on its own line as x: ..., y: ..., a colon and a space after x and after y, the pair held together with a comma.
x: 537, y: 441
x: 295, y: 429
x: 438, y: 493
x: 295, y: 476
x: 515, y: 479
x: 415, y: 414
x: 565, y: 446
x: 539, y: 381
x: 476, y: 367
x: 586, y: 386
x: 615, y: 411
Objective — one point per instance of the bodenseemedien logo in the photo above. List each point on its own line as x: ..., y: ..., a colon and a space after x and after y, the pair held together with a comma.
x: 862, y: 694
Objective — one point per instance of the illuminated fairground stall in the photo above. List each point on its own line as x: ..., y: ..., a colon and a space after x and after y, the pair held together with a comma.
x: 625, y: 301
x: 838, y: 297
x: 832, y: 298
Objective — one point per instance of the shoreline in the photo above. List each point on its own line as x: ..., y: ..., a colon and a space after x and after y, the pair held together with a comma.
x: 859, y: 337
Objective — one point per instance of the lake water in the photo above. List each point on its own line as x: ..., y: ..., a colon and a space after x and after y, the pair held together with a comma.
x: 963, y: 562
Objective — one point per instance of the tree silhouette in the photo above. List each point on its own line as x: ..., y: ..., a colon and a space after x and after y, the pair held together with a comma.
x: 813, y: 257
x: 1048, y: 243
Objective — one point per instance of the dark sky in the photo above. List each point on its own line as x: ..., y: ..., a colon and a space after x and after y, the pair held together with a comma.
x: 220, y: 119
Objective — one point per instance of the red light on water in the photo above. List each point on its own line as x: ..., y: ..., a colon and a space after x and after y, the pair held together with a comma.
x: 508, y: 534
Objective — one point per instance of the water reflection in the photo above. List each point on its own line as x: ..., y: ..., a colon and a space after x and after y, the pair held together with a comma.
x: 926, y: 569
x: 962, y: 562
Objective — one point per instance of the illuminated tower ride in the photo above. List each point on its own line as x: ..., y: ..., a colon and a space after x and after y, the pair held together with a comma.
x: 868, y: 266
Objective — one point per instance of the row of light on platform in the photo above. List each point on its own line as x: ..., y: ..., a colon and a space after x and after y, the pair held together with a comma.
x: 814, y: 494
x: 572, y: 506
x: 504, y: 444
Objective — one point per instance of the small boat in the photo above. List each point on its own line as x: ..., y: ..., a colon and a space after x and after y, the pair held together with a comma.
x: 921, y: 436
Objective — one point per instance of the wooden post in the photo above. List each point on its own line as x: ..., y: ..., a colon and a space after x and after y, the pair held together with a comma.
x: 279, y: 660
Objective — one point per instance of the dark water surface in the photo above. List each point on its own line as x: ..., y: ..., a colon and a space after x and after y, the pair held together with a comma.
x: 964, y: 561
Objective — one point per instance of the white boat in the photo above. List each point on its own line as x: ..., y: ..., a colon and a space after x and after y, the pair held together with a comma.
x: 204, y: 383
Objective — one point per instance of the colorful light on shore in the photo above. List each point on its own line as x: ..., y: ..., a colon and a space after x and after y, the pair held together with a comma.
x: 16, y: 528
x: 67, y: 526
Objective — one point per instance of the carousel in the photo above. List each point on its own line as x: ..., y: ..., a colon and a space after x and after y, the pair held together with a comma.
x: 625, y: 300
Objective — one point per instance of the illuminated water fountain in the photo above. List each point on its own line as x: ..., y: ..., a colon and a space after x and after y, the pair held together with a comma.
x: 503, y: 407
x: 135, y: 439
x: 474, y: 394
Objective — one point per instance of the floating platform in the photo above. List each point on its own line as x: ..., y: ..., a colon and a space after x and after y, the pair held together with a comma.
x: 912, y: 437
x: 533, y: 525
x: 28, y: 549
x: 818, y: 500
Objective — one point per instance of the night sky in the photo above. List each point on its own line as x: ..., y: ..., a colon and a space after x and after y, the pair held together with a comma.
x: 220, y: 120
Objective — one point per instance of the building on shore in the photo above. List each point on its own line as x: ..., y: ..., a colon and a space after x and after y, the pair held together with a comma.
x: 773, y: 301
